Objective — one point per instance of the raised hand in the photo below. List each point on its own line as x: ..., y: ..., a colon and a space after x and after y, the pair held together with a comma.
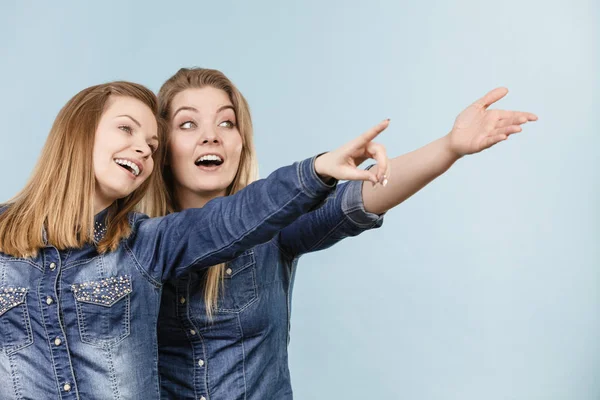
x: 342, y: 163
x: 478, y: 128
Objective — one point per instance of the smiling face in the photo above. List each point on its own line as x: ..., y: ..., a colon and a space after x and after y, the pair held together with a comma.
x: 125, y: 140
x: 205, y: 145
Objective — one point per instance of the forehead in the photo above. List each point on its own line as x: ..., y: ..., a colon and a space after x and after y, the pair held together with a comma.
x: 204, y: 99
x: 123, y: 105
x: 120, y: 104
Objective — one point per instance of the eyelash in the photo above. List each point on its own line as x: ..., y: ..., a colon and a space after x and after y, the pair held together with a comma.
x: 231, y: 124
x: 186, y: 122
x: 126, y: 128
x: 129, y: 130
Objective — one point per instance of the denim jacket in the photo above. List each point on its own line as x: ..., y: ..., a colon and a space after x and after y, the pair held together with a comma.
x: 241, y: 354
x: 76, y: 324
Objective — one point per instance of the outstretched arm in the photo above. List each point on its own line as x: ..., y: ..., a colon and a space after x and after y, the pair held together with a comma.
x: 475, y: 129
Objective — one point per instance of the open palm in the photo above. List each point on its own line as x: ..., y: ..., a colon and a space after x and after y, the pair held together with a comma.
x: 478, y: 128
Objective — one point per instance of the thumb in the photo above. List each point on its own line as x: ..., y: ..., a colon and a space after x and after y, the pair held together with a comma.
x: 491, y: 97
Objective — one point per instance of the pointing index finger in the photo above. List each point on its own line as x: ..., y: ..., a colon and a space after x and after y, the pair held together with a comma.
x: 374, y: 131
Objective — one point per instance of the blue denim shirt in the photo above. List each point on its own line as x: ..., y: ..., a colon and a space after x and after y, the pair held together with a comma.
x: 81, y: 325
x: 242, y: 353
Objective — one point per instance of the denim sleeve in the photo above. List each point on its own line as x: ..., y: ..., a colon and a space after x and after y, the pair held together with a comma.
x: 170, y: 246
x: 342, y: 215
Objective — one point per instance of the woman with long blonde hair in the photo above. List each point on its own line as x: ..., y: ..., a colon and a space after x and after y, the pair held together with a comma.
x: 81, y: 274
x: 223, y: 332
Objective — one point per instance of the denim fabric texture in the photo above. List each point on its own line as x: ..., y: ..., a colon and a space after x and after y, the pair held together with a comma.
x: 241, y: 354
x: 76, y: 324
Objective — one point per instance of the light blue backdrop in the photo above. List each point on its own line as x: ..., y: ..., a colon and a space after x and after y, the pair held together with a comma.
x: 486, y: 284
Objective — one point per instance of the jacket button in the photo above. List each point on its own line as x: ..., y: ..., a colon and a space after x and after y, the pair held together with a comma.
x: 52, y: 266
x: 182, y: 300
x: 228, y: 271
x: 67, y: 387
x: 57, y: 342
x: 49, y: 300
x: 201, y: 363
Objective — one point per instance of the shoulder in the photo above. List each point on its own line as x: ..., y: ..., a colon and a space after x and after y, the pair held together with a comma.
x: 142, y: 224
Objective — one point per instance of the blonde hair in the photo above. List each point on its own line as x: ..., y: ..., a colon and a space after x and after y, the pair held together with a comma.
x: 162, y: 199
x: 56, y: 205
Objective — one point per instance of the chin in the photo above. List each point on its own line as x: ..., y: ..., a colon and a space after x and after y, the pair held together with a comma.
x: 124, y: 192
x: 211, y: 189
x: 209, y: 185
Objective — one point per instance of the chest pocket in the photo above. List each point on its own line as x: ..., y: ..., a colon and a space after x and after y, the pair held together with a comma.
x: 15, y: 328
x: 103, y: 310
x: 239, y: 284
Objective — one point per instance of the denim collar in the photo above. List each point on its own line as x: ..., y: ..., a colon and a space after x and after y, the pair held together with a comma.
x: 100, y: 225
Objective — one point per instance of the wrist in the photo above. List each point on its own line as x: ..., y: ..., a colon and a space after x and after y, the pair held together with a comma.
x: 320, y: 163
x: 450, y: 149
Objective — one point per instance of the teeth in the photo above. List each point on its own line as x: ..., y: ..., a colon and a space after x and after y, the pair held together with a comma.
x: 133, y: 166
x: 210, y: 157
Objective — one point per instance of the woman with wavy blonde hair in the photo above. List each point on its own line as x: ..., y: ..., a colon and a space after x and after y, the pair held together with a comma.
x: 223, y: 333
x: 81, y: 274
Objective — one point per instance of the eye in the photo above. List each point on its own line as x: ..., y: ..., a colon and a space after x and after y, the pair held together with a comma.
x: 126, y: 128
x: 227, y: 124
x: 187, y: 125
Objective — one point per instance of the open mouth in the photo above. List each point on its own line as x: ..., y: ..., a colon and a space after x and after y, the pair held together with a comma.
x: 129, y: 166
x: 209, y: 160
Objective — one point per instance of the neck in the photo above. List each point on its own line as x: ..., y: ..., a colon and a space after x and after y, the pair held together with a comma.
x: 100, y: 204
x: 188, y: 199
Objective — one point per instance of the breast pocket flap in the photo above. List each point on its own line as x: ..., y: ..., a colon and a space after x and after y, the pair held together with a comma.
x: 11, y: 297
x: 103, y: 292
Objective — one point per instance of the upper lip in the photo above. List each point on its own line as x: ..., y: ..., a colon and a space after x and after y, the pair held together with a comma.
x: 136, y: 162
x: 210, y: 153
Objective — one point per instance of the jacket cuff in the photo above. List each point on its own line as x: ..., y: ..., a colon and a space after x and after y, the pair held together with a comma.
x: 354, y: 208
x: 311, y: 183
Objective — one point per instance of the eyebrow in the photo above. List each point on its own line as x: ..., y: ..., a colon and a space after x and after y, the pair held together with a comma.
x: 131, y: 118
x: 188, y: 108
x: 225, y: 108
x: 184, y: 109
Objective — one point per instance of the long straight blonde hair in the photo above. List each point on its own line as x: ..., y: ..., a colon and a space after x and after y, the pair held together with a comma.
x: 162, y: 199
x: 56, y: 205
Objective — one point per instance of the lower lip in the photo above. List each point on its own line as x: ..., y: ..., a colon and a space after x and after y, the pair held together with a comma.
x: 128, y: 172
x: 212, y: 168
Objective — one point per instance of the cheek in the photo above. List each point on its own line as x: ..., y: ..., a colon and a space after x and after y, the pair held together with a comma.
x: 149, y: 167
x: 178, y: 152
x: 236, y: 148
x: 182, y: 145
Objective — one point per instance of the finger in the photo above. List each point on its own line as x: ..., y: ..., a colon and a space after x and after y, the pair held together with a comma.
x: 508, y: 130
x: 374, y: 131
x: 492, y: 140
x: 378, y: 153
x: 356, y: 174
x: 491, y: 97
x: 511, y: 121
x: 387, y: 175
x: 503, y: 114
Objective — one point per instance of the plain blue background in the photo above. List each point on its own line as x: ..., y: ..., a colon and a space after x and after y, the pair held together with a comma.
x: 486, y: 284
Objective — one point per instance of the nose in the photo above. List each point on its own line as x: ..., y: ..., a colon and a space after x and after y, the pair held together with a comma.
x: 143, y: 149
x: 209, y: 136
x: 143, y: 152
